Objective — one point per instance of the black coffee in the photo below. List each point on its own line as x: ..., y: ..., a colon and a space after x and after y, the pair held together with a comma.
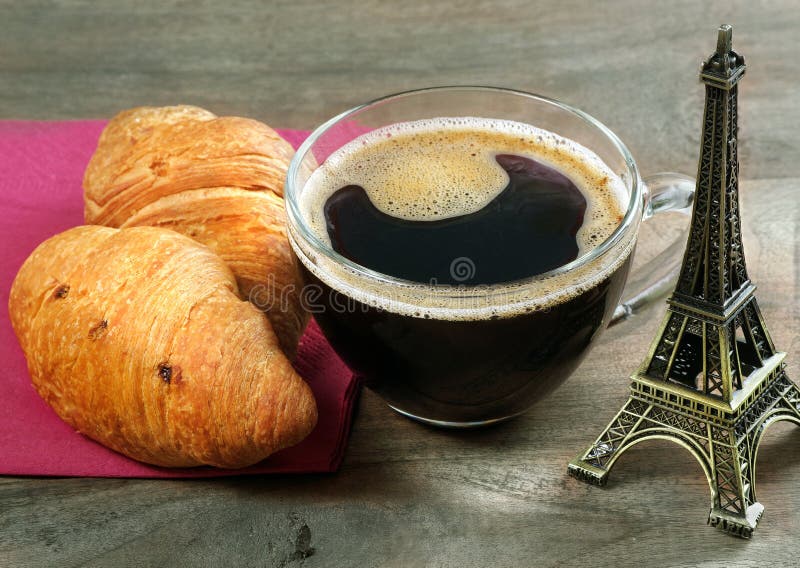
x: 528, y: 229
x: 464, y: 371
x: 463, y: 202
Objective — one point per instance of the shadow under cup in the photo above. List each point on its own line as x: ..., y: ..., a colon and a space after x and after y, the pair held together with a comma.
x: 463, y: 355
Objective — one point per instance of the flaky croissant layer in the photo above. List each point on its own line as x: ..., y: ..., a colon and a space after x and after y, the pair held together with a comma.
x: 216, y: 179
x: 138, y: 339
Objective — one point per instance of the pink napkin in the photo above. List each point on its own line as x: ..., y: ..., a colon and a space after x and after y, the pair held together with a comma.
x: 41, y: 168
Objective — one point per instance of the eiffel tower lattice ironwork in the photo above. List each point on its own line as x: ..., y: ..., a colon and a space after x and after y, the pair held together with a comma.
x: 712, y: 381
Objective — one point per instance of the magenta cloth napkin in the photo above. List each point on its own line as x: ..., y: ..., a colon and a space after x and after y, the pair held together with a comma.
x: 41, y: 169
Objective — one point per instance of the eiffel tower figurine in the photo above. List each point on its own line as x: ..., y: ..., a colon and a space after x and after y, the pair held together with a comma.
x: 712, y: 380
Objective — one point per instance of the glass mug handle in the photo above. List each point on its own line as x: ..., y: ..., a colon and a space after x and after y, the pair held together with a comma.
x: 665, y: 192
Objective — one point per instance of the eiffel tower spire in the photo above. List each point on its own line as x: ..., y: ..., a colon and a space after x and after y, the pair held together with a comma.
x: 714, y: 274
x: 712, y: 380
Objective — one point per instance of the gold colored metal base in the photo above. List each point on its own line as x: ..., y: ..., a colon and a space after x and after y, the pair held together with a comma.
x: 724, y: 443
x: 587, y: 473
x: 737, y: 525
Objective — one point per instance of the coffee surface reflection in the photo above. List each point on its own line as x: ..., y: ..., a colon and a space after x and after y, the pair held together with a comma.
x: 528, y: 229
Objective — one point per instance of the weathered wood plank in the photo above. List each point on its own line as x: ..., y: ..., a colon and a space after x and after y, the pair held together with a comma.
x: 296, y: 63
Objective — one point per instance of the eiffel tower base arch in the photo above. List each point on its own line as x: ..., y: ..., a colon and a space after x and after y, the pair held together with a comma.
x: 726, y: 446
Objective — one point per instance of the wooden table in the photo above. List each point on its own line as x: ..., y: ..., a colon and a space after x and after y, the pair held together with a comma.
x: 408, y: 495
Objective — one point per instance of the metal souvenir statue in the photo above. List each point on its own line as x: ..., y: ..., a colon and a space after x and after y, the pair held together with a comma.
x: 712, y: 381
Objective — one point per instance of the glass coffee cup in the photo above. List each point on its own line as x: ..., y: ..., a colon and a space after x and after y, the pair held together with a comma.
x: 459, y: 354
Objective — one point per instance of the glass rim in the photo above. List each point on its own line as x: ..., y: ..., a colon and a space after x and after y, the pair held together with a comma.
x: 296, y: 221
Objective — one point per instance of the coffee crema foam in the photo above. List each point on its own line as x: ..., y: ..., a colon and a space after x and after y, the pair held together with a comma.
x: 445, y: 167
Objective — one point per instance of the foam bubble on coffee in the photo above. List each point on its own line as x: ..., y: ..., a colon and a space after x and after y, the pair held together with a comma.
x: 445, y: 167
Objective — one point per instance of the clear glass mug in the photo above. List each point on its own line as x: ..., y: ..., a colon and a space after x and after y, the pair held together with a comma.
x: 462, y: 356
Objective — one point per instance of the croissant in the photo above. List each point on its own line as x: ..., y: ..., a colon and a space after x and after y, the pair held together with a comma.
x: 217, y: 180
x: 138, y: 339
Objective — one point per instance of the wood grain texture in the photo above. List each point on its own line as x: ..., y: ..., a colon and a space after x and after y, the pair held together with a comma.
x: 408, y: 495
x: 295, y: 63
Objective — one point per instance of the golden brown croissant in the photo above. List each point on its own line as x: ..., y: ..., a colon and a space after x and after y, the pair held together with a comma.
x: 218, y: 180
x: 138, y: 339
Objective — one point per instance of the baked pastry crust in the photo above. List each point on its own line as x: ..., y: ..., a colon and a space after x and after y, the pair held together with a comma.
x: 146, y: 153
x: 248, y: 230
x: 138, y: 339
x: 216, y: 179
